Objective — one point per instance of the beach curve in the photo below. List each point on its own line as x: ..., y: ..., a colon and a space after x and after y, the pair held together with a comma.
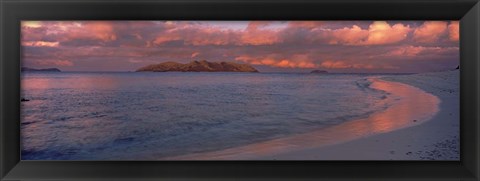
x: 411, y: 106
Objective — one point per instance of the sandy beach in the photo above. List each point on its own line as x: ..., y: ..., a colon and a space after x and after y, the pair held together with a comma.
x: 422, y: 124
x: 435, y: 139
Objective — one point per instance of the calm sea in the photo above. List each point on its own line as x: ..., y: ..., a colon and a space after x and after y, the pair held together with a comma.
x: 125, y: 116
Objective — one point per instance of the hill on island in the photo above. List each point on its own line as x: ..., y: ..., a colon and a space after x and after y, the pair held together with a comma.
x: 198, y: 66
x: 26, y: 69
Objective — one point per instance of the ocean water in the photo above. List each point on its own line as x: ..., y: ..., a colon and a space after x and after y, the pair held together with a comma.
x: 135, y: 116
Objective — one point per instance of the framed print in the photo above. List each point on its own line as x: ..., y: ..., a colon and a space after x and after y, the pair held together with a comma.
x: 291, y: 90
x: 239, y: 90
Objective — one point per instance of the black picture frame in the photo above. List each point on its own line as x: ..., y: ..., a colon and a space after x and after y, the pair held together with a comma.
x: 13, y: 11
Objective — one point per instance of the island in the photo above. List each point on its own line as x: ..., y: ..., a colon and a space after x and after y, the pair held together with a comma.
x: 318, y: 72
x: 198, y: 66
x: 26, y: 69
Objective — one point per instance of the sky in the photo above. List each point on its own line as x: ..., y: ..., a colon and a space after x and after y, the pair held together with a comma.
x: 269, y: 46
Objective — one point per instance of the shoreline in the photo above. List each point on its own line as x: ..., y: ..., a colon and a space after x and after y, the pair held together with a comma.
x: 436, y: 139
x: 337, y: 142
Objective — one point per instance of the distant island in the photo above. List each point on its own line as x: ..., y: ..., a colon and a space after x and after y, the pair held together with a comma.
x: 318, y: 72
x: 26, y: 69
x: 198, y: 66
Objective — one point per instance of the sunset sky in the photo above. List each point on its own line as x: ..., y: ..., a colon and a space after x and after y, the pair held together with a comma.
x: 280, y: 46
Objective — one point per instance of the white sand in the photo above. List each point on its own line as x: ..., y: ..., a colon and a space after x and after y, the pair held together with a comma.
x: 420, y: 130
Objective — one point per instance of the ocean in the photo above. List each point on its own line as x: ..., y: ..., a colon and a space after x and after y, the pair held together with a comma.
x: 144, y: 115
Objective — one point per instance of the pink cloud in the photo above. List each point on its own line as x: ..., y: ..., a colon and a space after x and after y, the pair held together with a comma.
x: 40, y: 44
x: 350, y: 36
x: 297, y: 61
x: 257, y: 24
x: 340, y: 64
x: 209, y: 36
x: 135, y: 60
x: 294, y: 44
x: 195, y: 54
x: 94, y: 30
x: 61, y: 63
x: 164, y: 39
x: 305, y: 24
x: 409, y: 51
x: 430, y: 31
x: 335, y: 64
x: 378, y: 33
x: 454, y: 31
x: 69, y: 30
x: 31, y: 24
x: 191, y: 35
x: 32, y: 34
x: 415, y: 51
x: 201, y: 35
x: 254, y: 35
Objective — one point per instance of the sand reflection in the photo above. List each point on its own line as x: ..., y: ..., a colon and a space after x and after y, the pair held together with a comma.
x: 411, y: 106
